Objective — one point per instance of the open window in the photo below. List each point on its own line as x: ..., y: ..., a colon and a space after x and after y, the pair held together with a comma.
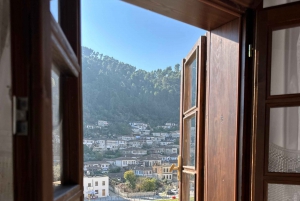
x: 190, y: 164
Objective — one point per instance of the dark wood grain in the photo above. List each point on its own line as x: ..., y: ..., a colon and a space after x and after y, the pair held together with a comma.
x: 246, y: 94
x: 207, y: 73
x: 70, y: 22
x: 31, y: 53
x: 62, y: 53
x: 223, y: 113
x: 195, y: 13
x: 267, y: 20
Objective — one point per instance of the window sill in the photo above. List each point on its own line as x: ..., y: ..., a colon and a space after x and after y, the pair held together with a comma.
x: 67, y: 192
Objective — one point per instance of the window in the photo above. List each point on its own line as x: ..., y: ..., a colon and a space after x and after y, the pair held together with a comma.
x: 96, y: 191
x: 103, y: 183
x: 96, y: 183
x: 89, y: 184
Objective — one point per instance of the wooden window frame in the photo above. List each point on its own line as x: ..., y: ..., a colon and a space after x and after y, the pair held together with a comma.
x: 200, y: 49
x: 36, y: 42
x: 269, y: 19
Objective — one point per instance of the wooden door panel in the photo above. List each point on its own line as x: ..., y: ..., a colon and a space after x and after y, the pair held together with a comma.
x: 221, y: 144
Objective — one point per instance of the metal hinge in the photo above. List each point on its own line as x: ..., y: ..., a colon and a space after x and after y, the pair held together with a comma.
x: 20, y: 115
x: 250, y: 50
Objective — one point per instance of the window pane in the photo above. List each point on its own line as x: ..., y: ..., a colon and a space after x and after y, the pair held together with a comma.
x: 57, y: 128
x: 190, y: 83
x: 284, y: 140
x: 285, y: 61
x: 54, y: 9
x: 188, y: 189
x: 269, y: 3
x: 283, y: 192
x: 189, y: 144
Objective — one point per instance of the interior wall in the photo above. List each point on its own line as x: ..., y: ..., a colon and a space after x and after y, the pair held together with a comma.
x: 222, y: 133
x: 6, y: 157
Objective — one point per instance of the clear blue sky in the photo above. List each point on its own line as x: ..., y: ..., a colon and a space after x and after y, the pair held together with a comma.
x: 134, y: 35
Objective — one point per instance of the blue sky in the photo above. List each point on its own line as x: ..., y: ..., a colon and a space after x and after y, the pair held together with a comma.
x: 134, y: 35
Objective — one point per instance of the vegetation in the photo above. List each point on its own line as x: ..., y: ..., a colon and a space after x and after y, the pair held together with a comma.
x: 130, y: 178
x: 114, y: 170
x: 119, y: 93
x: 56, y: 173
x: 90, y: 155
x: 148, y: 184
x: 112, y: 154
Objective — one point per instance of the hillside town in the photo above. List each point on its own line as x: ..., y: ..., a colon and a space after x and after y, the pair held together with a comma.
x: 146, y: 153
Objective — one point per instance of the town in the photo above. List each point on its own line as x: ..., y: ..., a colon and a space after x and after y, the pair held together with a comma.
x: 145, y: 154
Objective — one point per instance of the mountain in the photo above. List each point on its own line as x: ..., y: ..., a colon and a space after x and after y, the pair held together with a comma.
x: 120, y: 93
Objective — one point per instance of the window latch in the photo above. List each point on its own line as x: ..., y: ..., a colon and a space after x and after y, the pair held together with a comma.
x: 20, y: 115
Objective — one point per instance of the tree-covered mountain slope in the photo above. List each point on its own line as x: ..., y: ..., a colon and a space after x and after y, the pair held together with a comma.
x: 119, y: 93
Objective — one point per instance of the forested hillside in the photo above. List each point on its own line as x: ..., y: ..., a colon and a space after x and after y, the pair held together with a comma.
x: 120, y: 93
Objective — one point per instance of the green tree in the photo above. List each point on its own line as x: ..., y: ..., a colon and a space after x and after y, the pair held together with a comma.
x: 148, y: 184
x: 56, y: 173
x: 130, y: 178
x: 114, y: 170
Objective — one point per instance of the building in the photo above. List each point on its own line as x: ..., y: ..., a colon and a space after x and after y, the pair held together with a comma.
x: 134, y: 151
x: 153, y: 159
x: 125, y: 161
x: 96, y: 186
x: 142, y: 171
x: 162, y: 172
x: 88, y: 142
x: 102, y: 123
x: 112, y: 144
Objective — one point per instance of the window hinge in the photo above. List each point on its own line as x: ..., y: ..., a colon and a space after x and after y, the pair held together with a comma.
x: 20, y: 115
x: 250, y: 50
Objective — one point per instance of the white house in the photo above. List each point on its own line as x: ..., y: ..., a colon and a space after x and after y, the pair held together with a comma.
x: 88, y: 142
x: 165, y: 134
x: 149, y: 161
x: 102, y: 123
x: 162, y: 143
x: 175, y: 134
x: 170, y: 150
x: 96, y: 186
x: 145, y: 132
x: 112, y: 144
x: 126, y: 138
x: 124, y: 161
x: 135, y: 151
x: 156, y: 134
x: 122, y: 144
x: 99, y: 145
x: 143, y: 171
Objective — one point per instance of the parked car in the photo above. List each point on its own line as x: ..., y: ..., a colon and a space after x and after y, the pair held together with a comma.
x: 174, y: 191
x: 169, y: 192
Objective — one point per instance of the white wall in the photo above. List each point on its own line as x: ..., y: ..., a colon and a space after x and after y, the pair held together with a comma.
x: 99, y: 188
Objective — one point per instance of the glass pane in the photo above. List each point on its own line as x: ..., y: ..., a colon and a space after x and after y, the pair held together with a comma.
x: 188, y: 189
x: 285, y: 61
x: 284, y: 140
x: 6, y: 133
x: 57, y: 129
x: 269, y: 3
x: 54, y: 9
x: 189, y: 143
x: 190, y: 83
x: 283, y: 192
